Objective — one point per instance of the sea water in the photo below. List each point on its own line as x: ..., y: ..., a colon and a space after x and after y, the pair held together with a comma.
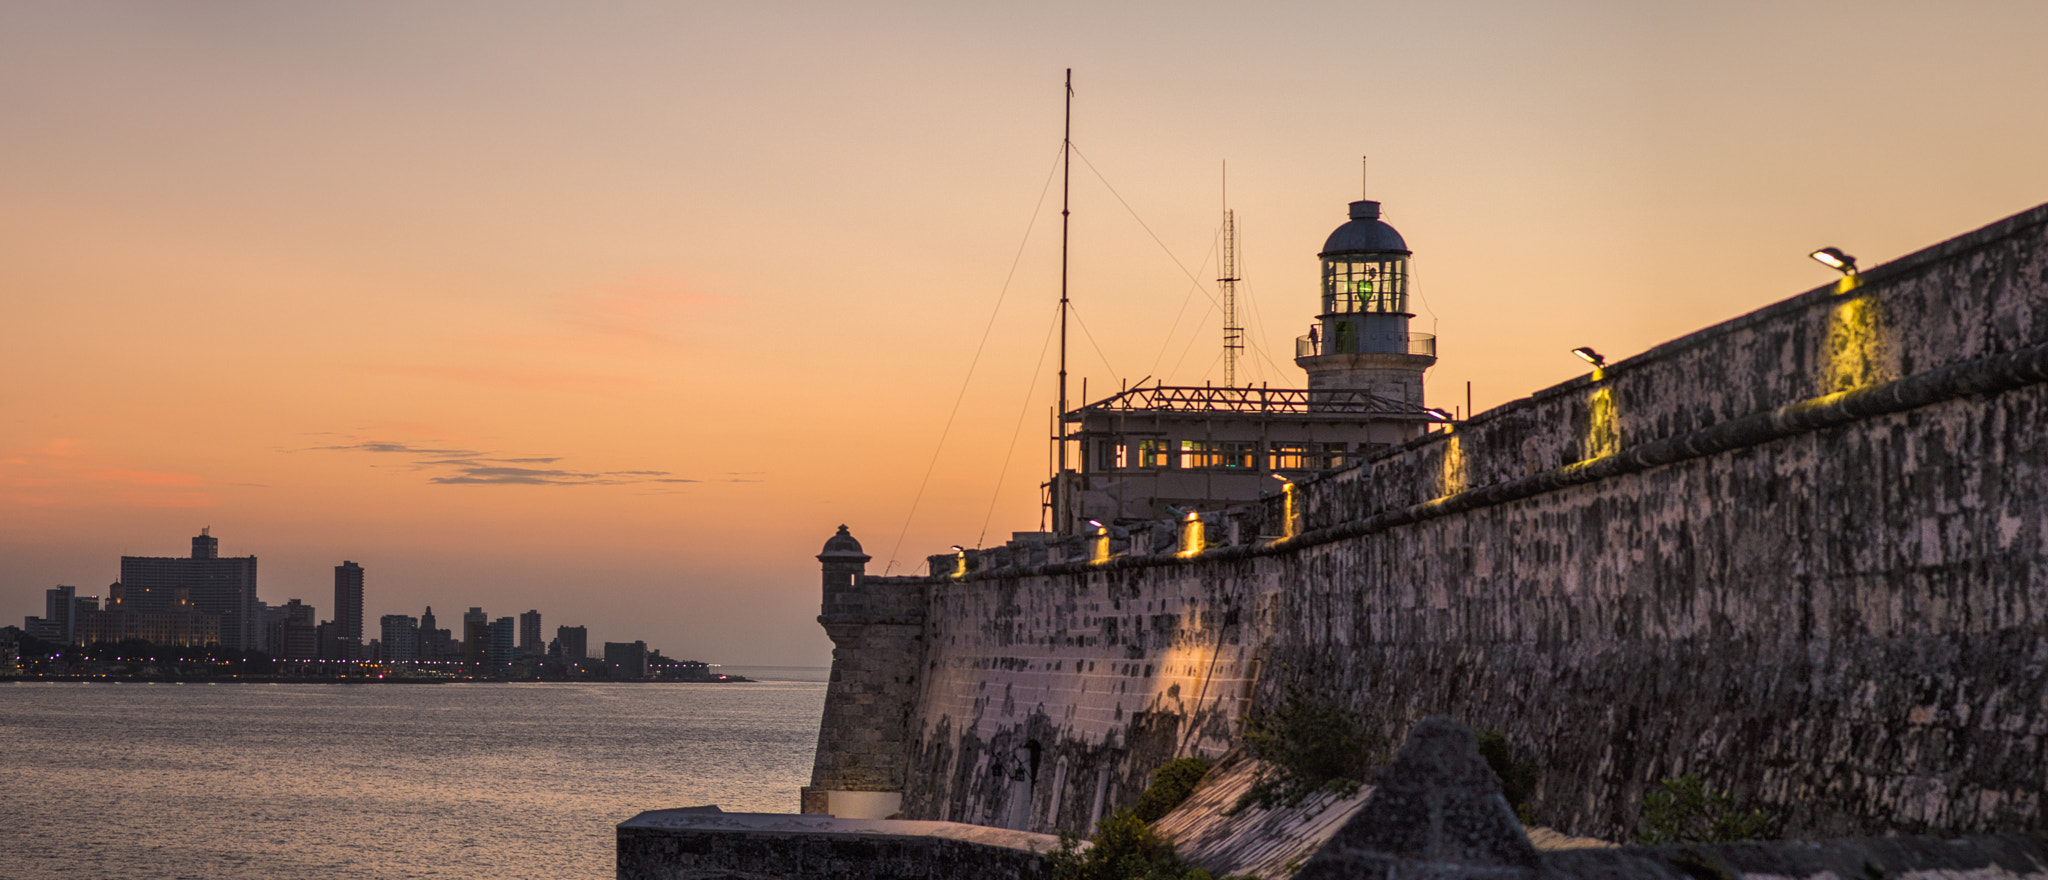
x: 218, y: 781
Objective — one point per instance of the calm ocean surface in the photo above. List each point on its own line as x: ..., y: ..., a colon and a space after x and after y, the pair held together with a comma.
x: 486, y: 781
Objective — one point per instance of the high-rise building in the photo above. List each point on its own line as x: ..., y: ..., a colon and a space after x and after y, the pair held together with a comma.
x: 529, y: 634
x: 575, y: 642
x: 180, y: 622
x: 502, y: 630
x: 476, y: 635
x: 215, y: 585
x: 60, y: 614
x: 399, y: 635
x: 292, y: 633
x: 328, y: 637
x: 626, y: 659
x: 435, y: 643
x: 348, y: 610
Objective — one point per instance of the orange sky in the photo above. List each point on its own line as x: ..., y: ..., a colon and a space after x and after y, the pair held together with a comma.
x: 702, y: 281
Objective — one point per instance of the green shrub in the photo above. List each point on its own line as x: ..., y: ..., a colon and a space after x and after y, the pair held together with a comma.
x: 1312, y: 744
x: 1684, y: 810
x: 1125, y: 849
x: 1517, y: 778
x: 1171, y: 785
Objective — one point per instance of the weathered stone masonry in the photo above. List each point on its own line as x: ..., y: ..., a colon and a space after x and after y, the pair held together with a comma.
x: 1802, y: 554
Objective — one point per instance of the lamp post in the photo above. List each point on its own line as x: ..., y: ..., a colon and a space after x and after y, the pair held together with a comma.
x: 1833, y: 258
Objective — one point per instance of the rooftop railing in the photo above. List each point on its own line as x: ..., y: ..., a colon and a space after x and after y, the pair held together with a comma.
x: 1373, y: 343
x: 1187, y: 398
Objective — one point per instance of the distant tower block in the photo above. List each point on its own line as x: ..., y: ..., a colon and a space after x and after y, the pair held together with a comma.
x: 1361, y: 340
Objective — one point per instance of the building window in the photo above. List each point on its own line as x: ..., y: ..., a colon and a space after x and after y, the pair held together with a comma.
x: 1288, y: 457
x: 1155, y: 453
x: 1240, y: 455
x: 1200, y: 454
x: 1307, y: 456
x: 1108, y: 455
x: 1365, y: 284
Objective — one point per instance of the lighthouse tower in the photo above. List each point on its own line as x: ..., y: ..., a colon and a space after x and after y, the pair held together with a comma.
x: 1361, y: 341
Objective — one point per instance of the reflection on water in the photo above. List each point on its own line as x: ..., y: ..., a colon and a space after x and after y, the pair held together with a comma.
x: 162, y: 781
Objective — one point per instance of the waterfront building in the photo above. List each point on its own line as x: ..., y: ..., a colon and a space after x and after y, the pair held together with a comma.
x: 436, y: 643
x: 502, y: 634
x: 60, y: 607
x: 215, y: 585
x: 399, y: 638
x: 574, y: 642
x: 292, y: 633
x: 625, y: 659
x: 180, y: 622
x: 328, y: 636
x: 476, y: 635
x: 348, y: 610
x: 1156, y: 452
x: 529, y: 634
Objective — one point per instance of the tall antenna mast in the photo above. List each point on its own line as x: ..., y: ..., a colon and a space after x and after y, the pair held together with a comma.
x: 1059, y: 497
x: 1233, y: 335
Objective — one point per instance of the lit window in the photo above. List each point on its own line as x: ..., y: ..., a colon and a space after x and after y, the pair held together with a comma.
x: 1108, y: 455
x: 1365, y: 284
x: 1288, y: 457
x: 1155, y: 453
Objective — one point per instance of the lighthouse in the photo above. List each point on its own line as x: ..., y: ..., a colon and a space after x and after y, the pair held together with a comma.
x: 1159, y: 451
x: 1361, y: 341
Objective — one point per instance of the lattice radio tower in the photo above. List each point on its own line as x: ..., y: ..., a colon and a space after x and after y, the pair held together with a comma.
x: 1233, y: 335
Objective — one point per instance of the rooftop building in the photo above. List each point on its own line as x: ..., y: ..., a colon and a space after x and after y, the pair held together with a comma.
x: 1149, y: 453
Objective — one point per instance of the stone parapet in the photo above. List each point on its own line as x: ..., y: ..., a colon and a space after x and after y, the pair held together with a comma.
x: 702, y: 843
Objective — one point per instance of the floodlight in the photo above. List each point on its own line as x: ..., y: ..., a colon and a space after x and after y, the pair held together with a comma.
x: 1439, y: 415
x: 1587, y: 354
x: 1833, y: 258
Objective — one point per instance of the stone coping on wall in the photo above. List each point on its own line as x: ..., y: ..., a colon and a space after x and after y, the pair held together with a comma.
x: 706, y: 843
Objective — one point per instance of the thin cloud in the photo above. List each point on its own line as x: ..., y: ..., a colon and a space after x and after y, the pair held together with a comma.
x: 470, y: 467
x: 388, y: 446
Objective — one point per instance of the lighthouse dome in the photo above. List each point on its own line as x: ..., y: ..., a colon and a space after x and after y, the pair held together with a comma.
x: 1366, y: 233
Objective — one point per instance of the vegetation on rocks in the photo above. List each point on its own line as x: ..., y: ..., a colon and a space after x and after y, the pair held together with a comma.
x: 1517, y: 778
x: 1311, y: 745
x: 1684, y: 810
x: 1171, y: 785
x: 1124, y: 846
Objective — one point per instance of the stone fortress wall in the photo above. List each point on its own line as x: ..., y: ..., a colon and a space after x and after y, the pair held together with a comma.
x: 1802, y: 554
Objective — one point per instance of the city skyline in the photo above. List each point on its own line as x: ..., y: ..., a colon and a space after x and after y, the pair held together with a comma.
x: 151, y: 583
x: 641, y: 302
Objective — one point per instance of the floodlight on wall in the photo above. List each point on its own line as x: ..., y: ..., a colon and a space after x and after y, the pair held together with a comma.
x: 1587, y: 354
x: 1281, y: 477
x: 1833, y: 258
x: 1438, y: 414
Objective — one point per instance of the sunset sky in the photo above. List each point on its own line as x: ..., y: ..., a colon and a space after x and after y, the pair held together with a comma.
x: 616, y: 310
